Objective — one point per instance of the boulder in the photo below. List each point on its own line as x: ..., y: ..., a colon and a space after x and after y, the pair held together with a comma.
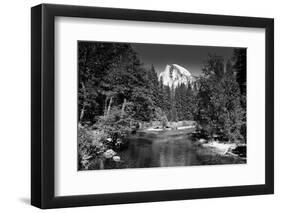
x: 109, y: 139
x: 201, y: 140
x: 109, y: 153
x: 116, y: 158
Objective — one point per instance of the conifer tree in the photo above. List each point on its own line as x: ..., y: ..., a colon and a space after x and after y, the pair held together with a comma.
x: 220, y: 110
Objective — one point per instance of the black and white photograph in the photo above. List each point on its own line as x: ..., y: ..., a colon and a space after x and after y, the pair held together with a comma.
x: 160, y: 105
x: 141, y: 105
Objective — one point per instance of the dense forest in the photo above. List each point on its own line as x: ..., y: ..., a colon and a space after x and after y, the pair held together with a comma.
x: 118, y: 95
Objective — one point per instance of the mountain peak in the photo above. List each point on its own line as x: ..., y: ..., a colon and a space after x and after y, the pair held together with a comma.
x: 174, y: 75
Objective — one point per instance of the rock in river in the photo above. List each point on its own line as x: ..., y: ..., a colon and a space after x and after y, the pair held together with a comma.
x: 116, y: 158
x: 109, y: 153
x: 202, y: 140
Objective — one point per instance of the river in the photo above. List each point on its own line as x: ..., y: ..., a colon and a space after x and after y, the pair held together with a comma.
x: 163, y: 150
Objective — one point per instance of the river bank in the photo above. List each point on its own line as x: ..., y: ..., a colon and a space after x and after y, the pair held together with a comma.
x: 220, y: 148
x: 167, y: 148
x: 213, y: 151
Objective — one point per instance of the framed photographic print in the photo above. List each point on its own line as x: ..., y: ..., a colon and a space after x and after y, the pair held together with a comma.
x: 140, y: 106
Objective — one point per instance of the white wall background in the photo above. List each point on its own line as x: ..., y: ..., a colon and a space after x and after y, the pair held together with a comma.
x: 15, y: 105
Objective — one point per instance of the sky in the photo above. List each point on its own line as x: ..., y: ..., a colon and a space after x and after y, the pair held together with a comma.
x: 189, y: 57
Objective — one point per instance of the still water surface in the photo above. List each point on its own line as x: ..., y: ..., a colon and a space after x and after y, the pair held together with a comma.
x: 163, y: 150
x: 160, y: 151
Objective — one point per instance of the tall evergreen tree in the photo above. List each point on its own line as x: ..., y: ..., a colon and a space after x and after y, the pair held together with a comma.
x: 167, y: 106
x: 111, y: 76
x: 240, y: 63
x: 219, y: 104
x: 240, y: 66
x: 185, y: 105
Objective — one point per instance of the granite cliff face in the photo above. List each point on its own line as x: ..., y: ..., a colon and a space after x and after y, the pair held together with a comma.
x: 174, y: 75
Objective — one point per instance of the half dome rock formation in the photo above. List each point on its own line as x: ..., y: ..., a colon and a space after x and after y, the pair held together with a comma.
x: 174, y: 75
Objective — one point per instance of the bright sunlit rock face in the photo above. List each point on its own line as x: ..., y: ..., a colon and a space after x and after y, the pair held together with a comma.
x: 174, y: 75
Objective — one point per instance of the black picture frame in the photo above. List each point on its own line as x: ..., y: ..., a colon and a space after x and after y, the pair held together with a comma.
x: 43, y: 102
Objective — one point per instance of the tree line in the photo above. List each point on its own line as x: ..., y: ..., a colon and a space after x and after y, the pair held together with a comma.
x: 116, y: 92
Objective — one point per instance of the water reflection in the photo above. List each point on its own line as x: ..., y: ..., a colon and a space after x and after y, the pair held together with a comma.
x: 151, y: 150
x: 147, y: 150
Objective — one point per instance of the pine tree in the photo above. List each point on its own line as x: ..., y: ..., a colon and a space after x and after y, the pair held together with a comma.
x: 110, y: 74
x: 220, y: 110
x: 167, y: 106
x: 240, y: 66
x: 239, y: 59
